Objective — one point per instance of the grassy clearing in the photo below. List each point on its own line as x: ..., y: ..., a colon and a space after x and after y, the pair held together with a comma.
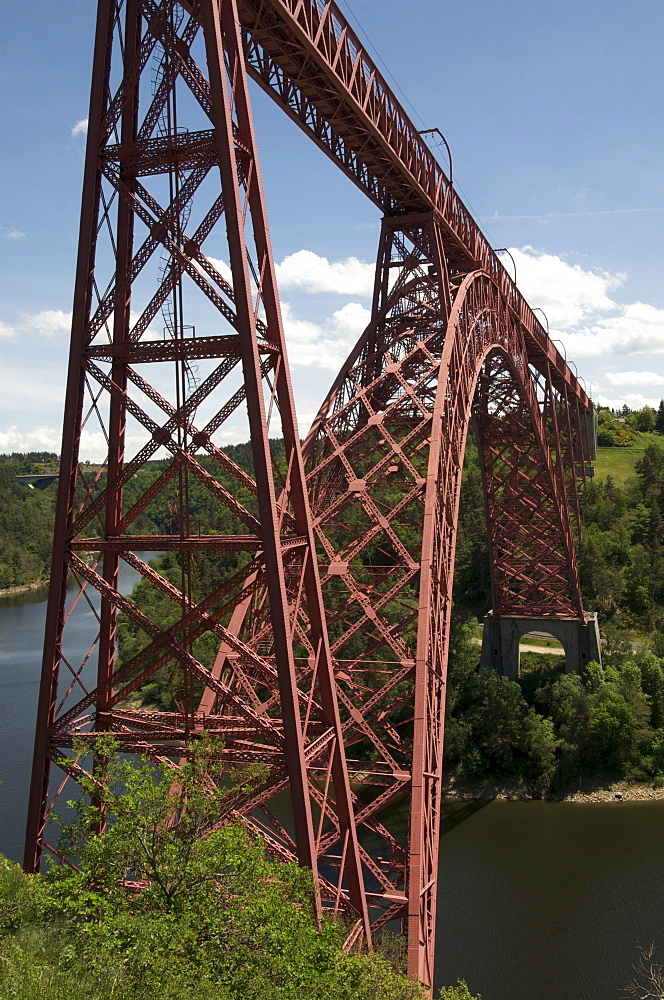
x: 533, y: 640
x: 619, y: 462
x: 527, y: 642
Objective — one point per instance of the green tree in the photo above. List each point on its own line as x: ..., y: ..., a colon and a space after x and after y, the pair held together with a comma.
x: 614, y: 727
x: 170, y: 901
x: 659, y: 420
x: 159, y: 826
x: 646, y: 419
x: 458, y: 992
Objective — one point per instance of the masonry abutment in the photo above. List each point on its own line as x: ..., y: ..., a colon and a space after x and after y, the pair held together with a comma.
x: 503, y: 633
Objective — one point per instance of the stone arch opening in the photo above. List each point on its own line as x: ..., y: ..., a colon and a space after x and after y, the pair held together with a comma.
x: 502, y: 638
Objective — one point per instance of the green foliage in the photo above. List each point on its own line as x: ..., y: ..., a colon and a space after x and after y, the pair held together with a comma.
x: 159, y: 823
x: 616, y: 432
x: 26, y: 525
x: 621, y: 562
x: 458, y: 992
x: 171, y: 901
x: 472, y: 583
x: 659, y: 419
x: 646, y: 419
x: 549, y: 729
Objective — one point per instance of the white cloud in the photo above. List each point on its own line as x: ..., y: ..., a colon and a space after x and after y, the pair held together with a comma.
x: 637, y: 329
x: 80, y: 128
x: 314, y: 274
x: 581, y: 311
x: 645, y: 379
x: 567, y: 293
x: 311, y: 345
x: 47, y: 322
x: 12, y: 233
x: 635, y: 401
x: 94, y: 448
x: 42, y: 438
x: 222, y: 267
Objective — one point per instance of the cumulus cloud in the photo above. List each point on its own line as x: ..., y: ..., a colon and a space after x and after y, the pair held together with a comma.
x: 222, y: 267
x: 47, y: 322
x: 80, y: 128
x: 326, y: 345
x: 646, y: 379
x: 568, y: 294
x: 94, y: 447
x: 582, y: 312
x: 638, y: 328
x: 634, y: 400
x: 50, y: 322
x: 41, y: 438
x: 307, y: 271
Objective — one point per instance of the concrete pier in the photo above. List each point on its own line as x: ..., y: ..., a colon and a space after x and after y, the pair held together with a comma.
x: 500, y: 642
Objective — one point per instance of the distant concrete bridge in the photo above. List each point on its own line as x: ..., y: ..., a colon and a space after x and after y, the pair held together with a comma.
x: 37, y: 482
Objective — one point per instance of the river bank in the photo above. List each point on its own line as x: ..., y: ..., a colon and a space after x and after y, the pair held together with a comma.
x: 22, y: 588
x: 616, y: 791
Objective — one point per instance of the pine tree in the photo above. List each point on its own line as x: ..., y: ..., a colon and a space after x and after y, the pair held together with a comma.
x: 659, y: 421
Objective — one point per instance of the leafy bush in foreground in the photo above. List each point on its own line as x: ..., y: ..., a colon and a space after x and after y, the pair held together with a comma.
x: 209, y: 915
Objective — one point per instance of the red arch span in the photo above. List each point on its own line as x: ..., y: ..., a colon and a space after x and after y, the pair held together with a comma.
x: 384, y: 461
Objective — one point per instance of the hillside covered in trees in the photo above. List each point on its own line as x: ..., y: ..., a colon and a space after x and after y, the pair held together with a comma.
x: 26, y: 520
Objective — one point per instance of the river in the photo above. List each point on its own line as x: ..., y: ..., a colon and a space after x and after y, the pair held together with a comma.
x: 537, y: 900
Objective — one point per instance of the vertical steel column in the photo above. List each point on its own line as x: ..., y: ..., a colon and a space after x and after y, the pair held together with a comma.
x: 229, y: 90
x: 121, y: 328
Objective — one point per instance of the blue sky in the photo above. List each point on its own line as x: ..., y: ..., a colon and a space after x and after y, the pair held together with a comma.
x: 554, y: 116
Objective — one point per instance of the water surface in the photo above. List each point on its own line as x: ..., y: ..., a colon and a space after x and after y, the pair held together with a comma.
x: 550, y: 900
x: 22, y: 620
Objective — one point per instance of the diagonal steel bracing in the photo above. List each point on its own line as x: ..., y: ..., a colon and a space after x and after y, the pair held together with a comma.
x: 384, y: 462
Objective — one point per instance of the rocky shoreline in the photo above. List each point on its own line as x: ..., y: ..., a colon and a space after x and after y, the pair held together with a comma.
x: 617, y: 791
x: 22, y: 588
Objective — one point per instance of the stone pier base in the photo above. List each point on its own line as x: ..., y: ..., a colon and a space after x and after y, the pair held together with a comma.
x: 500, y: 642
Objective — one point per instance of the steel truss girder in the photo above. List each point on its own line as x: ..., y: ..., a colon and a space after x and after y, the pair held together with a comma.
x: 450, y: 338
x: 266, y: 707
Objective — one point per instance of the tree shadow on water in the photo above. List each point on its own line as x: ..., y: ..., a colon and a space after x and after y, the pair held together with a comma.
x: 456, y: 811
